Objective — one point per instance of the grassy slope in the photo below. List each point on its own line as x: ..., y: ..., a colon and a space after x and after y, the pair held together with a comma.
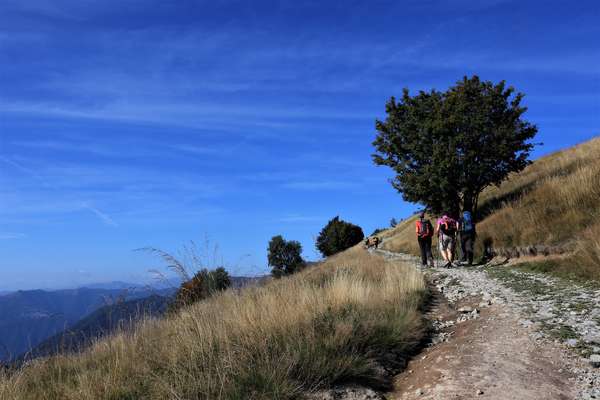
x: 553, y: 202
x: 328, y: 324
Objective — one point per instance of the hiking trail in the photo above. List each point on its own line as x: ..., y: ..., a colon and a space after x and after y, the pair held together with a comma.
x: 501, y: 333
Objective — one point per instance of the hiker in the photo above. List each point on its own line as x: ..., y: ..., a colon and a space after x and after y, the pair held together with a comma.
x: 446, y: 228
x: 424, y: 231
x: 372, y: 242
x: 467, y: 237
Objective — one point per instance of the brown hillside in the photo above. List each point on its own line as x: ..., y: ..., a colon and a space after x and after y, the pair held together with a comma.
x: 553, y: 205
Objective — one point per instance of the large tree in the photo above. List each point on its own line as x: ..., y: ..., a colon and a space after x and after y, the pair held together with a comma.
x: 284, y: 256
x: 447, y: 147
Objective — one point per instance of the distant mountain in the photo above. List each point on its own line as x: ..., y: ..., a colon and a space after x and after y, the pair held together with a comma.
x: 28, y: 317
x: 101, y: 322
x: 241, y: 281
x: 110, y: 318
x: 38, y: 320
x: 236, y: 282
x: 118, y: 285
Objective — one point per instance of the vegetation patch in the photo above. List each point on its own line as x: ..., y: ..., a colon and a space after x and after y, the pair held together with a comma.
x: 563, y: 268
x: 562, y: 332
x: 560, y: 268
x: 513, y: 279
x: 338, y: 322
x: 581, y: 306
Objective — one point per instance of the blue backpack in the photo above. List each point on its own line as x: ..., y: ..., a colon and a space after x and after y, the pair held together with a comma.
x: 467, y: 222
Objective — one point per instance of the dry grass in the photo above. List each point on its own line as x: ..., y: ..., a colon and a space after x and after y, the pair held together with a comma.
x: 332, y: 323
x: 403, y: 238
x: 587, y: 253
x: 554, y: 202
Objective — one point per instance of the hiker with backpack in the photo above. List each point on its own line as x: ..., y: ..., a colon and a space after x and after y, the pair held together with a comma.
x: 467, y: 237
x: 446, y: 229
x: 424, y: 231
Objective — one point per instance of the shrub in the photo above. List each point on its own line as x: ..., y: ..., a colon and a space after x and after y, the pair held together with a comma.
x: 284, y: 256
x: 203, y: 285
x: 338, y: 235
x: 207, y: 280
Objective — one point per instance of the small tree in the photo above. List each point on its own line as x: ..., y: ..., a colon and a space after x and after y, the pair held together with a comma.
x: 203, y: 285
x: 377, y: 231
x: 284, y: 256
x: 393, y: 222
x: 337, y: 236
x: 446, y: 148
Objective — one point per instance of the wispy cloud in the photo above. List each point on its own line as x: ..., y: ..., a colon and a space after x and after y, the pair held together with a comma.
x: 41, y: 189
x: 21, y: 168
x: 75, y: 147
x: 116, y: 149
x: 11, y: 235
x: 105, y: 218
x: 194, y: 149
x: 44, y: 8
x: 299, y: 218
x: 311, y: 185
x: 191, y: 114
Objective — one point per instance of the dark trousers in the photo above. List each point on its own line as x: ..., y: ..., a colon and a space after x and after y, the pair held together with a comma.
x: 425, y: 245
x: 467, y: 245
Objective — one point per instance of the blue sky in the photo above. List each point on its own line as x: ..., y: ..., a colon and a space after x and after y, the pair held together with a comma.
x: 126, y: 124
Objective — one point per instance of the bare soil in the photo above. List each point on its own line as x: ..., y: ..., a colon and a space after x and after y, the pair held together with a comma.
x: 530, y: 339
x: 489, y: 357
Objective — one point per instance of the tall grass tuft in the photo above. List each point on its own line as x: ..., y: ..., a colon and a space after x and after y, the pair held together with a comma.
x: 333, y: 323
x: 587, y: 252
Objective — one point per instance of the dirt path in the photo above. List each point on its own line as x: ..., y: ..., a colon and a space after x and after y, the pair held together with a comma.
x: 505, y: 334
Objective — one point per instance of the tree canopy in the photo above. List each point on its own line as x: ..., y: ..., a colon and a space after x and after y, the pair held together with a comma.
x: 447, y: 147
x: 338, y: 235
x: 284, y: 256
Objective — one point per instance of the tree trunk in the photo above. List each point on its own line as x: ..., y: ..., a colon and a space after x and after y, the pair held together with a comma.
x: 468, y: 202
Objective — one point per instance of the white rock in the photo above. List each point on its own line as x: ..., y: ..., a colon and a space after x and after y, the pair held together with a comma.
x: 346, y: 393
x: 526, y: 322
x: 595, y: 360
x: 591, y: 338
x: 571, y: 342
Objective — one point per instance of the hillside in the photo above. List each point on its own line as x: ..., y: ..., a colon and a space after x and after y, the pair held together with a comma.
x: 551, y: 208
x: 33, y: 318
x: 354, y: 318
x: 102, y: 322
x: 27, y: 317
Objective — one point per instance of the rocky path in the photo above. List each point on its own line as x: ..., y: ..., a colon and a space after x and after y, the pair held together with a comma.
x: 506, y: 334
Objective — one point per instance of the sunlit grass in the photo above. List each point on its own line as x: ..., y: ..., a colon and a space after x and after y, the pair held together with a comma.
x: 553, y: 202
x: 332, y: 323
